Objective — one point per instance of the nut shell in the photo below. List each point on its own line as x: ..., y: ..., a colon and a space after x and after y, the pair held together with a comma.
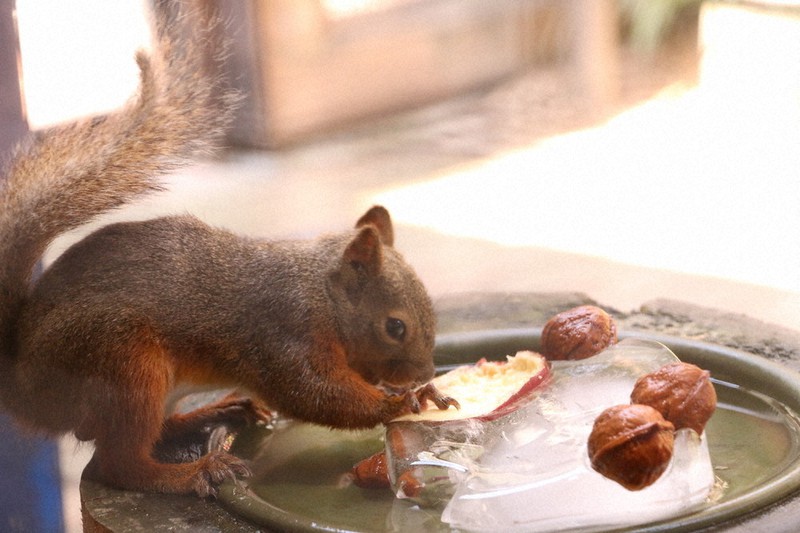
x: 578, y: 333
x: 681, y: 392
x: 631, y: 444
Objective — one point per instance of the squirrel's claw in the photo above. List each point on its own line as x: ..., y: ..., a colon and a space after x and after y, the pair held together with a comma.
x: 213, y: 469
x: 413, y: 402
x: 400, y: 404
x: 430, y: 392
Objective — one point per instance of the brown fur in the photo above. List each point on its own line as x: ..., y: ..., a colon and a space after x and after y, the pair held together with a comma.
x: 125, y: 315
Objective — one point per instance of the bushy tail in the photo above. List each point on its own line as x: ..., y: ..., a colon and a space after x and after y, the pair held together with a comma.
x: 67, y: 175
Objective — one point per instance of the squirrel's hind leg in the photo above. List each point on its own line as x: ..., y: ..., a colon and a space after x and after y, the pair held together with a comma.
x: 125, y: 458
x: 135, y: 469
x: 128, y: 428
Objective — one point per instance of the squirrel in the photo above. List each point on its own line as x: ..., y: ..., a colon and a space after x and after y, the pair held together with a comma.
x: 336, y: 331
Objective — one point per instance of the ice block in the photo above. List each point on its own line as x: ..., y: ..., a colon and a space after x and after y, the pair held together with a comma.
x: 529, y: 470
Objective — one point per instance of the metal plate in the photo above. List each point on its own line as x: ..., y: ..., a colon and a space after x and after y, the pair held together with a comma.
x: 754, y: 441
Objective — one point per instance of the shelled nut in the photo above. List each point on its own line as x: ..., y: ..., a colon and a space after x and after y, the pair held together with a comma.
x: 681, y: 392
x: 631, y: 444
x: 578, y: 333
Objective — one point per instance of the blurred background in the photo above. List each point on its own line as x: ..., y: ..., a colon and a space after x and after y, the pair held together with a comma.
x: 626, y: 149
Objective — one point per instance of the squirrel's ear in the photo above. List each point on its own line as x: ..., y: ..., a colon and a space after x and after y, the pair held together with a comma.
x: 364, y: 251
x: 379, y: 217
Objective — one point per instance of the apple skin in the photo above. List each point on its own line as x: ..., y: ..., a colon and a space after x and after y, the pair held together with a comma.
x: 372, y: 472
x: 519, y: 398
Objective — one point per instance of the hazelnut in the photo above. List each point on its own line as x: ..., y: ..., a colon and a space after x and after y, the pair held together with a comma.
x: 681, y: 392
x: 578, y: 333
x: 631, y: 444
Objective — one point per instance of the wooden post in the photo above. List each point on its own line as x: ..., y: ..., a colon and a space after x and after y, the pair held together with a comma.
x: 596, y: 50
x: 13, y: 124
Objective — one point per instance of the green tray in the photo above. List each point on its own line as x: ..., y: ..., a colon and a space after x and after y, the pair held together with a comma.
x: 754, y: 441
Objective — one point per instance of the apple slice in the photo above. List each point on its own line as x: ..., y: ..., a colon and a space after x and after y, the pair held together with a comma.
x: 487, y: 389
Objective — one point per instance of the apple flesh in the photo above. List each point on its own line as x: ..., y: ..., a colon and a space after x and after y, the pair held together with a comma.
x: 488, y: 389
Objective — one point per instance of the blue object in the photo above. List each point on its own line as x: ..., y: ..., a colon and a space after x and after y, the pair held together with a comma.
x: 30, y: 483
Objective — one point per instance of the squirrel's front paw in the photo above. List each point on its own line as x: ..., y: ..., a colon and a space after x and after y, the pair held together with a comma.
x: 395, y: 405
x: 430, y: 392
x: 413, y: 401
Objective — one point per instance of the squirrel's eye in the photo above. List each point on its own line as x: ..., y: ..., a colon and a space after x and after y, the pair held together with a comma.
x: 395, y: 328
